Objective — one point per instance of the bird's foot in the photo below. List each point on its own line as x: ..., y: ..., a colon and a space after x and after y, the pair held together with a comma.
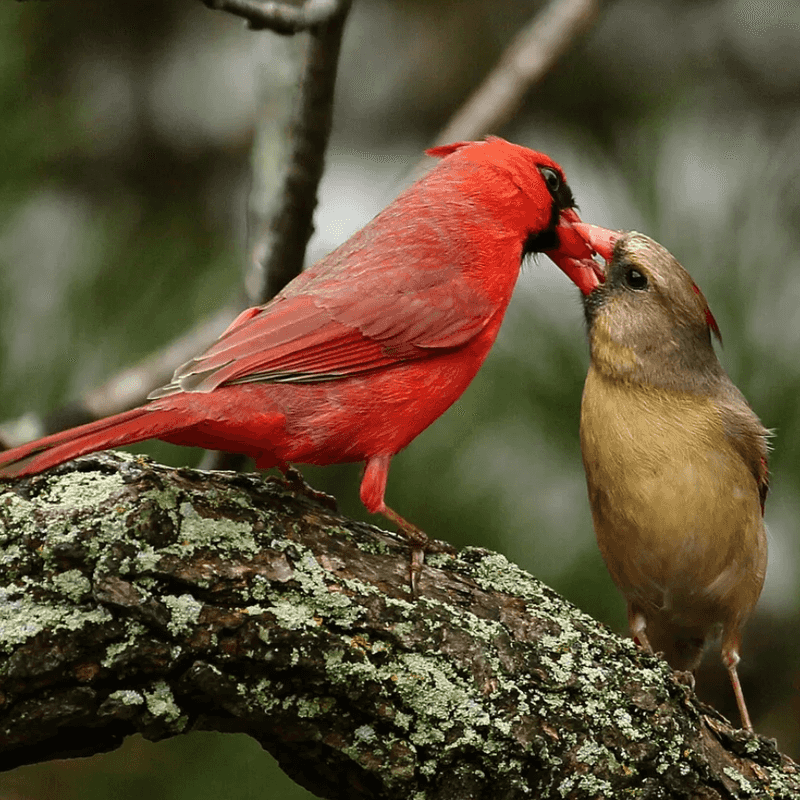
x: 294, y: 480
x: 420, y: 544
x: 418, y: 558
x: 418, y: 549
x: 684, y: 676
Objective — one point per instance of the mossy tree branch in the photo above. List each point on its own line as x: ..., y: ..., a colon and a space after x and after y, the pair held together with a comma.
x: 137, y: 598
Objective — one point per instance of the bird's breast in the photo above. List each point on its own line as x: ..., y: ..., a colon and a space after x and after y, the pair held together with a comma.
x: 675, y: 508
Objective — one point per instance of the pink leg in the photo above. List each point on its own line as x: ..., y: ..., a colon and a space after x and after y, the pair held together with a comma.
x: 730, y: 658
x: 638, y: 625
x: 373, y: 488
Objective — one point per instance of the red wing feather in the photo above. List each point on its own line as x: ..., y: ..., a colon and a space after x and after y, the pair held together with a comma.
x: 379, y: 299
x: 293, y: 340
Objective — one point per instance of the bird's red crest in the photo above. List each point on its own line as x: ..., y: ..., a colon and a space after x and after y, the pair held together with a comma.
x: 442, y: 150
x: 712, y: 323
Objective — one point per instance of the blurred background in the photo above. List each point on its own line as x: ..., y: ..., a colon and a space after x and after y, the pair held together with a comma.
x: 137, y: 139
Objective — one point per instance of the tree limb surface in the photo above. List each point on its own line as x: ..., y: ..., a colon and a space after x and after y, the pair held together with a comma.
x: 140, y: 598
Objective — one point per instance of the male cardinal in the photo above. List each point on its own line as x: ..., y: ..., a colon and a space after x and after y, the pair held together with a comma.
x: 364, y: 350
x: 675, y: 459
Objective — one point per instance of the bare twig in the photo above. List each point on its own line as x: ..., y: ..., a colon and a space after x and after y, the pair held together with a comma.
x: 282, y: 18
x: 126, y: 389
x: 131, y: 386
x: 280, y: 246
x: 527, y: 60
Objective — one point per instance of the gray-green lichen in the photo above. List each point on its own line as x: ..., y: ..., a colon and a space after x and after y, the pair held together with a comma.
x: 73, y: 584
x: 161, y: 704
x: 444, y: 710
x: 127, y: 697
x: 450, y: 681
x: 79, y: 490
x: 744, y: 785
x: 133, y: 631
x: 184, y: 612
x: 220, y: 535
x: 22, y: 618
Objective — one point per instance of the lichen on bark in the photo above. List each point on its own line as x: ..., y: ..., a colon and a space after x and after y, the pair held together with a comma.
x: 138, y: 598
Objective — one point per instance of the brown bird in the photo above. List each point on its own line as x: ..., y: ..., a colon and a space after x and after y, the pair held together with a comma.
x: 675, y: 459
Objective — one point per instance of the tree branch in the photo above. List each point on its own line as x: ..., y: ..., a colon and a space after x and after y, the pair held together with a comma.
x: 137, y: 598
x: 279, y: 246
x: 280, y: 249
x: 529, y: 57
x: 282, y: 18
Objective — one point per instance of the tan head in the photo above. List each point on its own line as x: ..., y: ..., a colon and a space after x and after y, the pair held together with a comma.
x: 649, y: 323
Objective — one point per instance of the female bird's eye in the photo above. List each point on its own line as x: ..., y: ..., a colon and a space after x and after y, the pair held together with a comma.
x: 635, y: 279
x: 551, y: 178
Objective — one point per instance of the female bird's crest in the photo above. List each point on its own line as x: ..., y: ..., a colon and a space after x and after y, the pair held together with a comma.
x: 712, y: 323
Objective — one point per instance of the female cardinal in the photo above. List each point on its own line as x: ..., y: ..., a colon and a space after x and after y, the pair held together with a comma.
x: 675, y: 459
x: 364, y: 350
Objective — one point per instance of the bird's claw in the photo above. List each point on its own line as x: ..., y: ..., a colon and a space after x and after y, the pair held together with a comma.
x: 294, y: 480
x: 685, y: 677
x: 418, y: 550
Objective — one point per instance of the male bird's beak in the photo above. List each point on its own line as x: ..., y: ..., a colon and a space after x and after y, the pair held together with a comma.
x: 601, y: 240
x: 578, y: 243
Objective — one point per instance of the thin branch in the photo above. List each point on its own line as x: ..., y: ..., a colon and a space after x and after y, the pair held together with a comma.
x: 126, y: 389
x: 281, y: 18
x: 529, y: 57
x: 280, y: 246
x: 130, y: 387
x: 142, y: 599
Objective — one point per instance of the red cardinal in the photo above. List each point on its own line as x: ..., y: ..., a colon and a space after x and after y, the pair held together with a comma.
x: 365, y: 349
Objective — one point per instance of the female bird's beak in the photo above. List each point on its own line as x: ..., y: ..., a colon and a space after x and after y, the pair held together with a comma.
x: 578, y: 243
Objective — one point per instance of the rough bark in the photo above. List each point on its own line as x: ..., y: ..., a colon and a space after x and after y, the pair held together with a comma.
x: 138, y: 598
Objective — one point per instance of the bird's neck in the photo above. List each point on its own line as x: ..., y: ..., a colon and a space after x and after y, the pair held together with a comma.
x: 659, y: 361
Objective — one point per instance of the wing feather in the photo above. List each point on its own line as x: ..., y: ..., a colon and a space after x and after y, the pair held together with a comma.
x: 375, y: 301
x: 293, y: 340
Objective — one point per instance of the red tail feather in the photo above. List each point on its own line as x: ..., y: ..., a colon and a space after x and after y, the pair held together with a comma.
x: 126, y: 428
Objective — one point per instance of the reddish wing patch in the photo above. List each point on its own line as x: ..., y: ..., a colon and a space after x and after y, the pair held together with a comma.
x: 295, y: 340
x: 289, y: 340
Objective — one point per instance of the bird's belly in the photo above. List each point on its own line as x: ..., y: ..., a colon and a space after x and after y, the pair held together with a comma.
x: 675, y: 510
x: 376, y: 413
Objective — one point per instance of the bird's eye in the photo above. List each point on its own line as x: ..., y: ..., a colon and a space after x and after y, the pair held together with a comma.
x: 551, y: 178
x: 636, y: 279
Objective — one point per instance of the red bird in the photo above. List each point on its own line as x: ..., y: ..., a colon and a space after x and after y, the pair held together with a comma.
x: 365, y: 349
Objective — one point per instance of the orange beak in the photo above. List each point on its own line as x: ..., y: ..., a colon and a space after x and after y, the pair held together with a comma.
x: 578, y: 243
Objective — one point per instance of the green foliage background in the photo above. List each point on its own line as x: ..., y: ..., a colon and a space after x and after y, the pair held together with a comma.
x: 132, y: 136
